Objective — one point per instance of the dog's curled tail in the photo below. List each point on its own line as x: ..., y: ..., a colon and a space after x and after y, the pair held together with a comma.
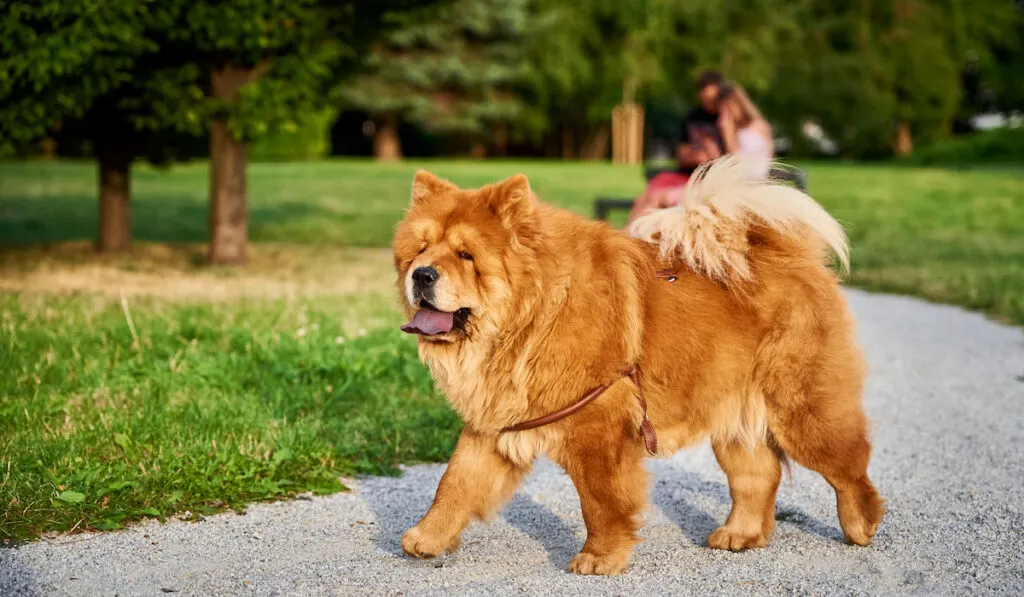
x: 709, y: 228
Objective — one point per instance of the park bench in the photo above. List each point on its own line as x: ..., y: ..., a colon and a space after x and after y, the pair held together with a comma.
x: 604, y: 205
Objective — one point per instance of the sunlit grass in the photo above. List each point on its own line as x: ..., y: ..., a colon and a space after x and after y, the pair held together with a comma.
x: 110, y: 413
x: 949, y: 236
x: 211, y: 388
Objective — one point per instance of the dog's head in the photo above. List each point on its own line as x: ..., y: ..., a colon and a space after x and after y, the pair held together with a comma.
x: 459, y: 254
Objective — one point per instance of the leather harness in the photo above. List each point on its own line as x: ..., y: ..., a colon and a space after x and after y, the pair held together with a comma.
x: 632, y: 372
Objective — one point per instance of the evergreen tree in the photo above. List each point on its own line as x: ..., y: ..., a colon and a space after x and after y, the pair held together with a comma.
x: 453, y: 69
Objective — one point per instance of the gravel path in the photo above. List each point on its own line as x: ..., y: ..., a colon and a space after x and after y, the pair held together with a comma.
x: 947, y: 399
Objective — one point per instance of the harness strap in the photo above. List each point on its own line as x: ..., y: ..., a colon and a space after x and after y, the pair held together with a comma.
x: 632, y: 372
x: 646, y: 428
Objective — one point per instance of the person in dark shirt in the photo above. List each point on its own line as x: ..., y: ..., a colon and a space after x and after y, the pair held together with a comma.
x: 699, y: 141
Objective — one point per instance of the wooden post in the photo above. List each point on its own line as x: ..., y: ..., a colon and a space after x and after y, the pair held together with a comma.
x: 627, y: 134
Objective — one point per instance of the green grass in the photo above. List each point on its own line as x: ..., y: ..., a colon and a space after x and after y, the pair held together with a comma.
x: 1004, y: 146
x: 229, y: 398
x: 953, y: 237
x: 351, y: 203
x: 946, y: 236
x: 211, y: 406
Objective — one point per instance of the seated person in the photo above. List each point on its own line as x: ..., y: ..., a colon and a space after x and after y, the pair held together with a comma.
x: 744, y: 131
x: 700, y: 141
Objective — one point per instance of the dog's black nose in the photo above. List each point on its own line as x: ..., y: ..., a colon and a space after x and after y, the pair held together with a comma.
x: 424, y: 276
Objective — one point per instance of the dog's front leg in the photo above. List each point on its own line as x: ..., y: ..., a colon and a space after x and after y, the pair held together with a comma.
x: 612, y: 483
x: 478, y: 481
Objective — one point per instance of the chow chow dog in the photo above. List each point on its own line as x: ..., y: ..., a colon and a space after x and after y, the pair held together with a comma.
x: 552, y: 334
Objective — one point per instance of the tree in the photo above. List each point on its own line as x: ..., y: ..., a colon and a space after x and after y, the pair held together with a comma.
x: 989, y: 43
x: 882, y: 75
x: 59, y: 58
x: 452, y: 68
x: 597, y: 54
x: 132, y: 76
x: 267, y: 63
x: 864, y: 70
x: 56, y: 56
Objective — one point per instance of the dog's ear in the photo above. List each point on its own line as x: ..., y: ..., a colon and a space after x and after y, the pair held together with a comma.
x: 425, y: 185
x: 513, y: 201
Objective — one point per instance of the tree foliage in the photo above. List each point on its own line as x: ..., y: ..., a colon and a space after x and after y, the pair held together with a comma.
x: 858, y: 68
x: 452, y: 68
x: 57, y: 56
x: 861, y: 69
x: 145, y: 78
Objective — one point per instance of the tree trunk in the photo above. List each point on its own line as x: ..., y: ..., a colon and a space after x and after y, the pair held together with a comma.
x: 228, y: 230
x: 553, y: 143
x: 568, y: 143
x: 115, y: 204
x: 228, y: 159
x: 904, y: 142
x: 478, y: 151
x: 501, y: 139
x: 387, y: 146
x: 49, y: 146
x: 629, y: 90
x: 596, y: 146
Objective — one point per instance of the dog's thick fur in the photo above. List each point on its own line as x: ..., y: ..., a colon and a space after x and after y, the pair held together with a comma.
x: 751, y: 346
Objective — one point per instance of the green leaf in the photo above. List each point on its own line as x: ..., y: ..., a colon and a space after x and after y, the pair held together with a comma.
x: 123, y: 441
x: 116, y: 486
x: 281, y: 455
x: 71, y: 497
x: 108, y: 525
x: 150, y: 512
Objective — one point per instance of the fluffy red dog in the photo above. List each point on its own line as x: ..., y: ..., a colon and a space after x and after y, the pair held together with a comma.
x: 722, y: 311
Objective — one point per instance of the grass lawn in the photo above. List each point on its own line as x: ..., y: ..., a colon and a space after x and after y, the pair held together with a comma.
x: 204, y: 388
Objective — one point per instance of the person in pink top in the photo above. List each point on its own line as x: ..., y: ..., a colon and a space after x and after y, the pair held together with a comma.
x: 726, y: 122
x: 744, y: 130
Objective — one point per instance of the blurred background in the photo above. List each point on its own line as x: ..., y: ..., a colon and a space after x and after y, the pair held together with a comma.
x: 197, y: 199
x: 493, y: 78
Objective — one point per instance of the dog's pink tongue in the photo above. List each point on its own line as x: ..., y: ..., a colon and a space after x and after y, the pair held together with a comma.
x: 429, y: 322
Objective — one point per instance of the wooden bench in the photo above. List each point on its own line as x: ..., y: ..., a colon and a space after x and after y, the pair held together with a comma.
x: 604, y: 205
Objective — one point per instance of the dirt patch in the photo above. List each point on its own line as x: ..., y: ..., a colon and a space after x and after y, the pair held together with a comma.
x: 177, y: 272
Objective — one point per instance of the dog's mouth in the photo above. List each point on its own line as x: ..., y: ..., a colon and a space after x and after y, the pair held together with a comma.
x: 430, y: 321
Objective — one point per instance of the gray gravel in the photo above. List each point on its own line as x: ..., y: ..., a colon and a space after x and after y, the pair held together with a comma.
x: 946, y: 396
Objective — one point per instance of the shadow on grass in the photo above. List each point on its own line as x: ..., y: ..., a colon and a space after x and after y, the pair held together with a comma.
x: 162, y: 218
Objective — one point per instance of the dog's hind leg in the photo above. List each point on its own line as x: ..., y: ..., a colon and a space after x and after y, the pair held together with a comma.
x: 754, y: 473
x: 830, y: 438
x: 812, y: 375
x: 478, y: 481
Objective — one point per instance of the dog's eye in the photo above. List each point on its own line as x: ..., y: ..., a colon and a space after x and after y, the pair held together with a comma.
x: 465, y: 255
x: 423, y: 248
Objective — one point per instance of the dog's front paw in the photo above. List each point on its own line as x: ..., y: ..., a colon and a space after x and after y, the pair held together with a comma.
x: 423, y: 544
x: 735, y: 539
x: 588, y: 563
